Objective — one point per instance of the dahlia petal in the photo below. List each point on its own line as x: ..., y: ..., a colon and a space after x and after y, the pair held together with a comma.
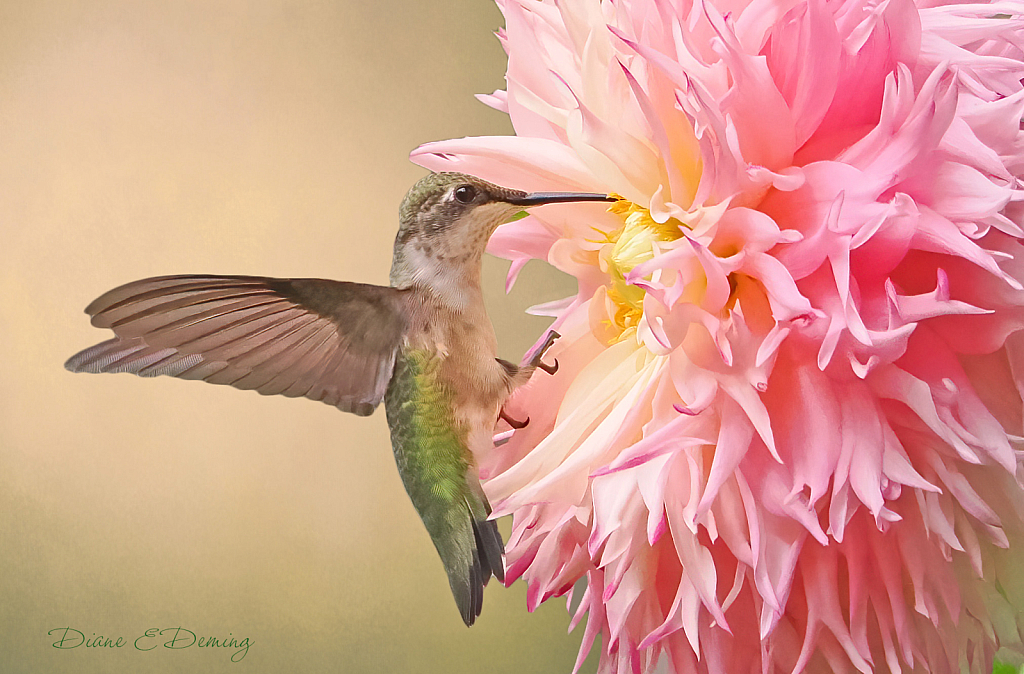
x: 590, y: 450
x: 866, y: 455
x: 553, y: 308
x: 679, y: 190
x: 611, y: 152
x: 513, y: 272
x: 897, y: 384
x: 627, y: 373
x: 755, y: 102
x: 778, y: 559
x: 960, y: 192
x: 509, y: 160
x: 754, y: 409
x: 824, y: 611
x: 662, y: 441
x: 961, y: 143
x: 805, y: 64
x: 700, y: 564
x: 936, y: 233
x: 914, y: 308
x: 593, y: 626
x: 911, y: 126
x: 497, y: 100
x: 753, y: 26
x: 531, y: 238
x: 987, y: 119
x: 1004, y: 225
x: 898, y: 468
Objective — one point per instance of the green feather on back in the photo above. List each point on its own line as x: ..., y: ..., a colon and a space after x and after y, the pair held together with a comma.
x: 433, y: 460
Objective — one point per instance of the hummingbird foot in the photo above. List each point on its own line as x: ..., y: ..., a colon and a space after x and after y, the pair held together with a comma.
x: 550, y: 369
x: 512, y: 422
x: 536, y: 360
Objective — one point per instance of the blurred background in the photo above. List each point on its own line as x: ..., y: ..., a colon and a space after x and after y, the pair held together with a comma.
x: 268, y: 138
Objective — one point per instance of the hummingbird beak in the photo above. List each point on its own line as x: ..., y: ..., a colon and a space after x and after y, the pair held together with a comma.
x: 539, y: 198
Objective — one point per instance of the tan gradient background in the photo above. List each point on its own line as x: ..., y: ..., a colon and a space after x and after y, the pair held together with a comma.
x: 146, y: 138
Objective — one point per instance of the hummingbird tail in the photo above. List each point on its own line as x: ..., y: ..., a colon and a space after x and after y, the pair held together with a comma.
x: 472, y: 558
x: 490, y: 549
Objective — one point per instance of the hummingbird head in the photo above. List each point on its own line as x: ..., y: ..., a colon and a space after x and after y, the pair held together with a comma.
x: 446, y: 220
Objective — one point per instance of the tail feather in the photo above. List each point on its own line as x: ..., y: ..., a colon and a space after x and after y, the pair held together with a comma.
x: 475, y: 554
x: 477, y: 581
x: 491, y: 549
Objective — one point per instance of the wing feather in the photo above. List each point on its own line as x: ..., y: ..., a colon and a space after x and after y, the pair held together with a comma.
x: 326, y: 340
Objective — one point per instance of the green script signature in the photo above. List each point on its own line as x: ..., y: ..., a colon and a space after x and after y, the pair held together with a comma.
x: 177, y: 638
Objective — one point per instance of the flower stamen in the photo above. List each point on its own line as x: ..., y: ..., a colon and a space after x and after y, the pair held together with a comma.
x: 626, y: 248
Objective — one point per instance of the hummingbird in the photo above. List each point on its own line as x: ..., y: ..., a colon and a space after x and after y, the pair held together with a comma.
x: 424, y: 345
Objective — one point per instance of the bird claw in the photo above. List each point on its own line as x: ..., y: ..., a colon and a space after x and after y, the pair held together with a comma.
x: 512, y: 422
x: 536, y: 360
x: 550, y: 369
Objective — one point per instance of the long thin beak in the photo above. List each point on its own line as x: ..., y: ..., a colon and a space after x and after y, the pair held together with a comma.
x: 538, y: 198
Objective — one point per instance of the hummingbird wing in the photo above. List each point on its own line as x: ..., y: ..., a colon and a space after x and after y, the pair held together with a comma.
x: 326, y: 340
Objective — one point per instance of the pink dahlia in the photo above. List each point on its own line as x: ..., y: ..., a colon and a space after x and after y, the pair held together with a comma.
x: 786, y: 435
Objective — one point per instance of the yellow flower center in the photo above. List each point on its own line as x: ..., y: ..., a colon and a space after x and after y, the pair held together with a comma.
x: 627, y: 247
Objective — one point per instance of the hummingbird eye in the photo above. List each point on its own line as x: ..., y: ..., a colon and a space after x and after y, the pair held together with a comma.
x: 465, y: 194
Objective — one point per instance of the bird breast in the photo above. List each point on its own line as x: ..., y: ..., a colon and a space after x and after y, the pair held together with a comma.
x: 465, y: 343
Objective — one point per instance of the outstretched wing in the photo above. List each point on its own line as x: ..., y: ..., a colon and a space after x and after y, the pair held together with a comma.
x: 326, y: 340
